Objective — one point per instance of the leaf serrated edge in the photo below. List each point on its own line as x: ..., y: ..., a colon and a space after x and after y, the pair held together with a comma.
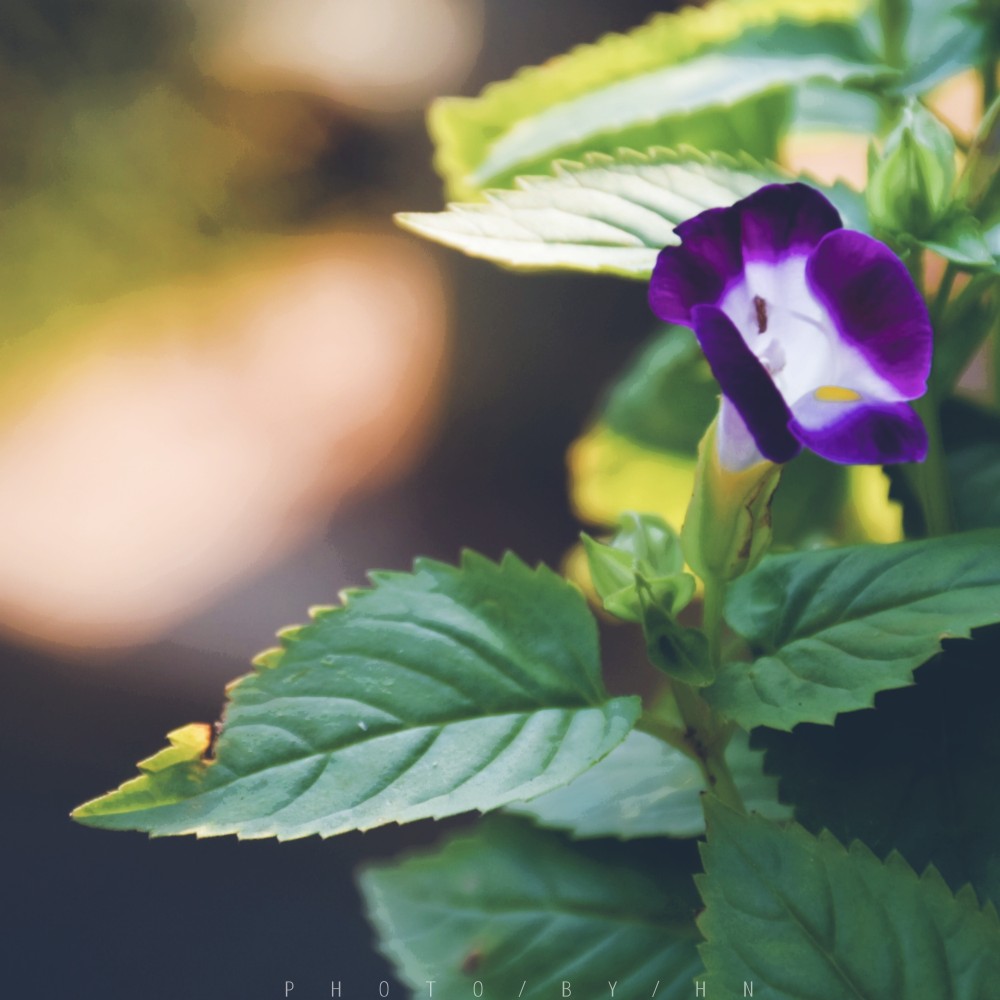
x: 666, y: 39
x: 930, y: 879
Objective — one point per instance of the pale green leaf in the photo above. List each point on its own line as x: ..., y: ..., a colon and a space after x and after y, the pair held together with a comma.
x: 835, y: 627
x: 434, y: 693
x: 520, y: 911
x: 701, y: 76
x: 799, y: 916
x: 606, y: 214
x: 647, y: 788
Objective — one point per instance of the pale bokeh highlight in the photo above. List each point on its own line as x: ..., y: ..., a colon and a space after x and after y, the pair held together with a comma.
x: 151, y: 471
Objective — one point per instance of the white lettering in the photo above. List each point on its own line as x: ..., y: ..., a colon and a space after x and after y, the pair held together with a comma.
x: 477, y: 988
x: 566, y: 990
x: 289, y: 986
x: 611, y: 986
x: 430, y: 986
x: 383, y: 988
x: 747, y: 989
x: 335, y: 988
x: 521, y: 993
x: 699, y: 989
x: 655, y: 988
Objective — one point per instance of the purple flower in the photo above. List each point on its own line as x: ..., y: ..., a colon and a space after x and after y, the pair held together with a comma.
x: 816, y: 334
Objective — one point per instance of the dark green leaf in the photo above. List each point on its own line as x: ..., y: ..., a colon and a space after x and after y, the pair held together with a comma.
x: 835, y: 627
x: 916, y: 775
x: 437, y: 692
x: 798, y: 917
x: 520, y: 911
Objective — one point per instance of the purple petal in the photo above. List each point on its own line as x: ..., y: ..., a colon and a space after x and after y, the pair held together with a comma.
x: 697, y: 272
x: 745, y: 383
x: 875, y: 307
x: 860, y: 433
x: 782, y: 220
x: 773, y: 223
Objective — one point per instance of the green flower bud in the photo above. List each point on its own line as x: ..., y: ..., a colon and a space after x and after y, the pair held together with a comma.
x: 910, y: 186
x: 727, y: 529
x: 645, y: 547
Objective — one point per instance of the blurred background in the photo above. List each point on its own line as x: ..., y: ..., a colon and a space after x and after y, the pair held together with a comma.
x: 228, y: 388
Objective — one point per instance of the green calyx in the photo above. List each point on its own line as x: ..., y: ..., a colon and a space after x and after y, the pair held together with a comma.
x: 727, y: 530
x: 910, y: 185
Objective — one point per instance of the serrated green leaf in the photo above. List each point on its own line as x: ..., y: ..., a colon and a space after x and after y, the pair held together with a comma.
x: 606, y: 214
x: 666, y: 82
x: 646, y: 788
x: 800, y: 916
x: 434, y: 693
x: 520, y: 910
x: 836, y: 627
x: 915, y: 775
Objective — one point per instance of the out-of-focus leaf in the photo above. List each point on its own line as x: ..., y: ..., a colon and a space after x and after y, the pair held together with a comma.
x: 701, y: 76
x: 519, y: 910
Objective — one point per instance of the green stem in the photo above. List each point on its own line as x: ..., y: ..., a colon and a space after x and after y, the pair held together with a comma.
x: 931, y: 476
x: 703, y: 738
x: 988, y: 73
x: 714, y: 602
x: 894, y: 16
x: 943, y: 294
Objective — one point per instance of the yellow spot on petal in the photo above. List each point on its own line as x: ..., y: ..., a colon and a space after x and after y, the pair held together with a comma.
x: 836, y: 394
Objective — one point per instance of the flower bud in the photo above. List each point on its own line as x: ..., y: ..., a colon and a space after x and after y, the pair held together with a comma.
x: 644, y: 548
x: 910, y: 186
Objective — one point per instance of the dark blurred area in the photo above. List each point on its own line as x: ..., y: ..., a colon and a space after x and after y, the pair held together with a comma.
x: 162, y: 168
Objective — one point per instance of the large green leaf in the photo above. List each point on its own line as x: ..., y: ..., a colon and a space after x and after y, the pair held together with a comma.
x: 434, y: 693
x: 835, y: 627
x: 798, y: 916
x: 646, y: 788
x: 715, y: 78
x: 520, y: 911
x: 606, y: 214
x: 917, y: 775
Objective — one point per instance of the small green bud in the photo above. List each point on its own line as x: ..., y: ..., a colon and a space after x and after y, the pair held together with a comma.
x: 727, y: 529
x: 910, y: 186
x: 644, y: 546
x: 681, y: 653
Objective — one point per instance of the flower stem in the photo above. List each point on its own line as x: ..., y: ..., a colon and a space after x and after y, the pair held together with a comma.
x: 703, y: 738
x: 930, y: 477
x: 714, y: 602
x: 943, y: 294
